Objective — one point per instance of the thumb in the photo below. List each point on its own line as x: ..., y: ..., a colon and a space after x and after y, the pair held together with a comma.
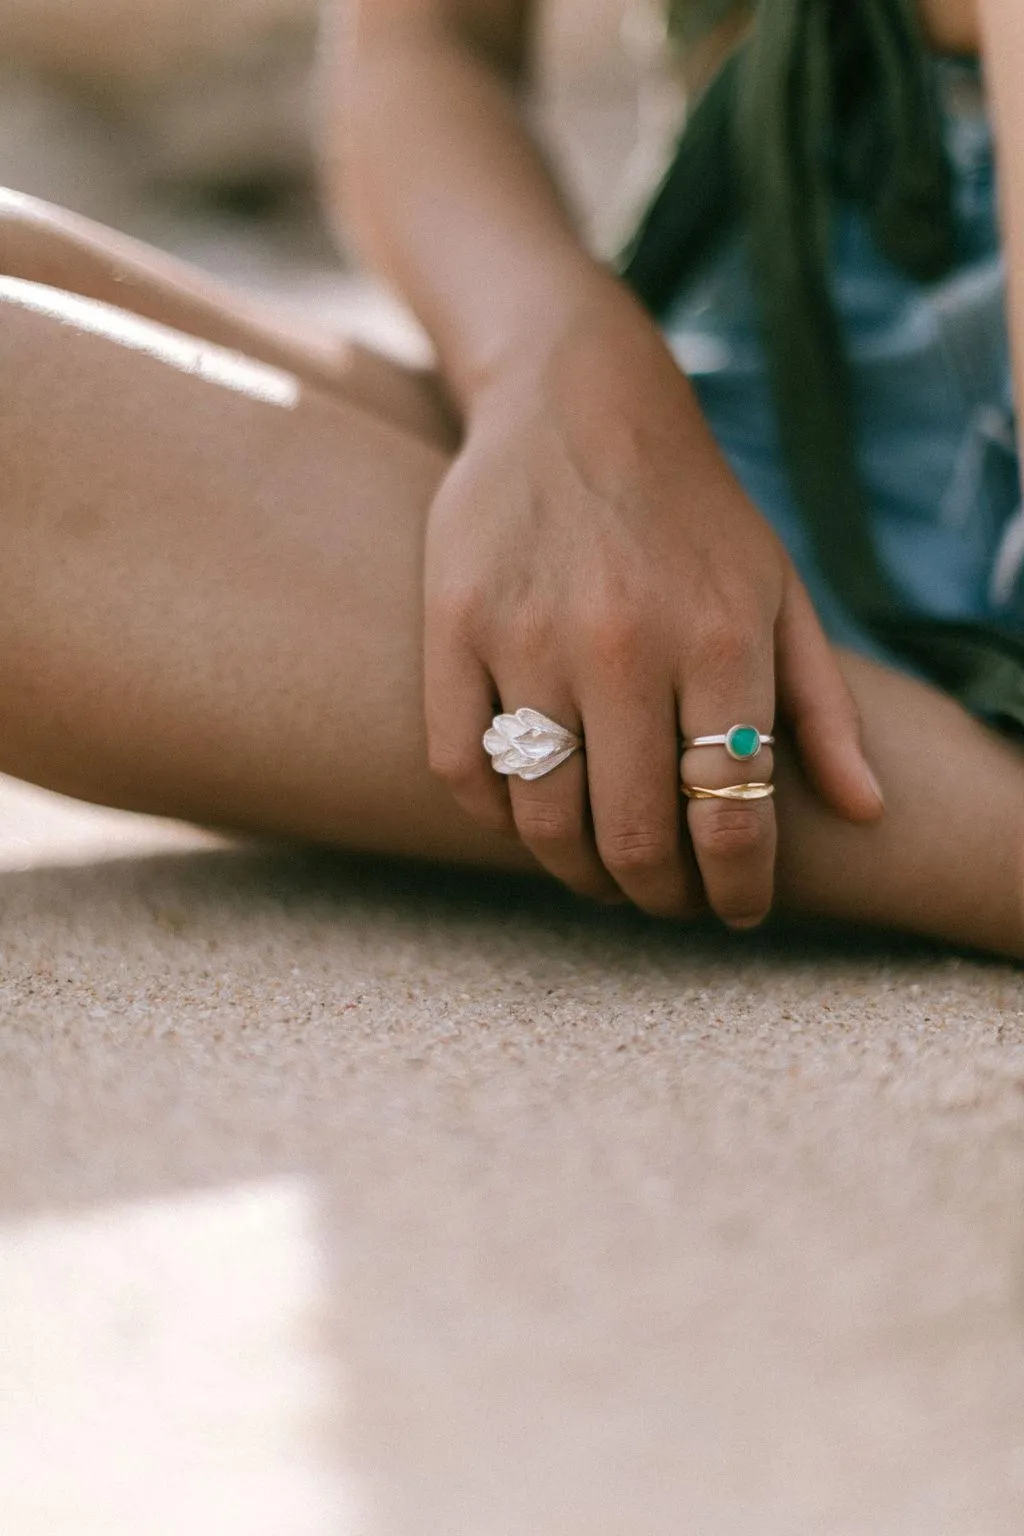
x: 821, y: 712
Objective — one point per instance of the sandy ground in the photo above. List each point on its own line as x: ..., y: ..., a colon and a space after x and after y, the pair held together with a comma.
x: 383, y: 1202
x: 612, y: 1229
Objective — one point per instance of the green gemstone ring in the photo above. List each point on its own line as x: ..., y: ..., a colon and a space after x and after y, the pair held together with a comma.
x: 742, y: 742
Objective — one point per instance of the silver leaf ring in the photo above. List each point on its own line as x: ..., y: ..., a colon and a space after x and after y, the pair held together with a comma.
x: 527, y: 745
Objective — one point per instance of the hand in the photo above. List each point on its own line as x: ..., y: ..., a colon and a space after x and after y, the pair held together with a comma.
x: 590, y: 555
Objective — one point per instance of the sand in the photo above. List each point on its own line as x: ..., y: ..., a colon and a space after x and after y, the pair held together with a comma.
x: 626, y: 1230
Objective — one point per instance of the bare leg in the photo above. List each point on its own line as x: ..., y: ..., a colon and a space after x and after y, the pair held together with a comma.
x: 210, y: 607
x: 948, y: 857
x: 43, y: 244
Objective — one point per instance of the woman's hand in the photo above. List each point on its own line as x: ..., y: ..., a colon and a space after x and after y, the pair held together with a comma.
x: 591, y: 556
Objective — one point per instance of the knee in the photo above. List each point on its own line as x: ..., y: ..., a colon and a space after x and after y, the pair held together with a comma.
x: 28, y: 231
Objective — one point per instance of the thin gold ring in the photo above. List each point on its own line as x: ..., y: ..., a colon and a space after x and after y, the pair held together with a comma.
x: 730, y: 792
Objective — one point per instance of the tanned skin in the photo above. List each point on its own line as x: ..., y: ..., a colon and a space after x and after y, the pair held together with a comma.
x: 300, y: 620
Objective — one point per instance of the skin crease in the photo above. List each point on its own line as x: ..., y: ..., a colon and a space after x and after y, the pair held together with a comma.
x: 169, y: 691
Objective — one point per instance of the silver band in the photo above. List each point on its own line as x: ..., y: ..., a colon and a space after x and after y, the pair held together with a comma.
x: 742, y: 742
x: 527, y: 745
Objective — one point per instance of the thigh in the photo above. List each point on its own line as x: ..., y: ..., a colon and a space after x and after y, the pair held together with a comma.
x: 210, y: 607
x: 43, y: 244
x: 947, y: 858
x: 210, y: 587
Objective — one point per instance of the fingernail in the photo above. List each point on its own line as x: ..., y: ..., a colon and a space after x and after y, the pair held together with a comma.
x: 876, y: 788
x: 744, y: 924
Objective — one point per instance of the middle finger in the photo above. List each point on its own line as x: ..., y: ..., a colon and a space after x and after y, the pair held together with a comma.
x: 633, y: 773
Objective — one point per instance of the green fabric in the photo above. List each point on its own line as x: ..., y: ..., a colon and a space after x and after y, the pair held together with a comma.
x: 982, y: 665
x: 823, y: 98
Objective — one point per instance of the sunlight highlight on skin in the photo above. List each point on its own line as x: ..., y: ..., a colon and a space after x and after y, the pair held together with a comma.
x: 200, y: 359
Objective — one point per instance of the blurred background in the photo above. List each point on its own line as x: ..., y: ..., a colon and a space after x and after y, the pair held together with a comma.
x: 192, y: 124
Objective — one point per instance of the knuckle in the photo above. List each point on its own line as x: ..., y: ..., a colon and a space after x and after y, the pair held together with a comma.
x: 532, y: 630
x: 631, y: 849
x: 732, y: 832
x: 544, y: 825
x: 615, y: 637
x: 725, y: 648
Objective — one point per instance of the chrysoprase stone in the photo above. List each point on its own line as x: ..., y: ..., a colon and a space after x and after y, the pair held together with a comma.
x: 744, y: 741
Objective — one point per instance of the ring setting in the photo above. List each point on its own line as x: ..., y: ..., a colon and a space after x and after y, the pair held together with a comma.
x: 527, y: 745
x: 742, y: 742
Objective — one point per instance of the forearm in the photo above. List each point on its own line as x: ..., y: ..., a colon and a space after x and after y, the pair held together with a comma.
x: 433, y: 169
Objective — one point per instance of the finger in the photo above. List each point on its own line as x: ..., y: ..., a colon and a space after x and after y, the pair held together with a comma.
x: 821, y: 712
x: 633, y: 772
x: 733, y: 841
x: 459, y: 696
x: 552, y: 814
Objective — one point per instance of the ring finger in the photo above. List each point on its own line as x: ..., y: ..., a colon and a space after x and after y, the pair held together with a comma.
x: 734, y: 840
x: 552, y: 813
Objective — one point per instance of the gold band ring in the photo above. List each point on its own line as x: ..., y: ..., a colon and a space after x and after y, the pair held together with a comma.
x: 730, y: 792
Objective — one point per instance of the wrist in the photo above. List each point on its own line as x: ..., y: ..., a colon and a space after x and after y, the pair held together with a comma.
x: 582, y: 300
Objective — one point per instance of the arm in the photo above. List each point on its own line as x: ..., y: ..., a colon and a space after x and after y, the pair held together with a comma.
x: 590, y: 554
x: 431, y: 165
